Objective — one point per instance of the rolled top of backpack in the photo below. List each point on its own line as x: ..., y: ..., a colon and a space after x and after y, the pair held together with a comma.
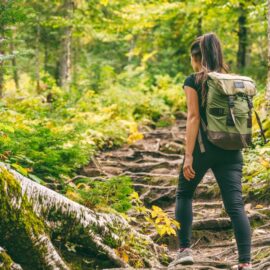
x: 232, y: 84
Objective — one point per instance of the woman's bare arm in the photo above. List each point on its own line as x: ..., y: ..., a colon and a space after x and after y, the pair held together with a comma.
x: 193, y: 122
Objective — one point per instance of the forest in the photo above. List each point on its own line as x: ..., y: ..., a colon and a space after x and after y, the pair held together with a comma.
x: 92, y: 132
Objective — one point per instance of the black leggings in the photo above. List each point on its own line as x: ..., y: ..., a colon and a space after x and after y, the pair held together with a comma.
x: 227, y: 168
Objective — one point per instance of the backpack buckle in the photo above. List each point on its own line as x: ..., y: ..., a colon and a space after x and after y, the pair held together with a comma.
x: 230, y: 120
x: 250, y: 103
x: 231, y: 101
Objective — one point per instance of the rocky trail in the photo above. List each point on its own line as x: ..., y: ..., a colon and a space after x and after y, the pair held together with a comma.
x: 153, y: 163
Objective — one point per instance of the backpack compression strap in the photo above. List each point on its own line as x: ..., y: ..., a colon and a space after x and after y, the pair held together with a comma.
x: 233, y: 119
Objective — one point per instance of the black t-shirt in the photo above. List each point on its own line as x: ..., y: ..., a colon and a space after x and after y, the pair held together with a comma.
x: 190, y: 81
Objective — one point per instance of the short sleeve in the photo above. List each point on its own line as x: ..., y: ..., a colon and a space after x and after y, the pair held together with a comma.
x: 190, y: 81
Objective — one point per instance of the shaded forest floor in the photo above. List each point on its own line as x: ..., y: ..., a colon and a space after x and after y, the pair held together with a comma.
x: 153, y: 163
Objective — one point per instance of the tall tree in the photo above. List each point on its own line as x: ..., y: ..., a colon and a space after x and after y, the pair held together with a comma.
x: 242, y: 36
x: 13, y: 59
x: 65, y: 63
x: 37, y: 56
x: 3, y: 7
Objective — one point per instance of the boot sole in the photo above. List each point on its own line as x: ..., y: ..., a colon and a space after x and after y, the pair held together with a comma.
x: 186, y: 261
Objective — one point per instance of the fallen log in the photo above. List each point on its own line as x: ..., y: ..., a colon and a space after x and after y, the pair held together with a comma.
x: 6, y: 262
x: 40, y: 211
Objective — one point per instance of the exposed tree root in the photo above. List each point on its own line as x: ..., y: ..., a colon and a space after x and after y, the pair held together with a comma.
x: 101, y: 231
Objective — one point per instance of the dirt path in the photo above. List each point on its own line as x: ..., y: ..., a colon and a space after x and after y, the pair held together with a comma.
x: 153, y: 164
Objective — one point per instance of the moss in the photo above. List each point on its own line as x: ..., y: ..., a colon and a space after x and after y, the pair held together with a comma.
x: 255, y: 223
x: 264, y: 253
x: 18, y: 223
x: 5, y: 261
x: 82, y: 255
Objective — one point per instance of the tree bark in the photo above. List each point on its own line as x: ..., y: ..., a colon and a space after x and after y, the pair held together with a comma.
x: 242, y: 37
x: 37, y: 210
x: 37, y: 58
x: 65, y: 61
x: 199, y: 25
x: 14, y: 62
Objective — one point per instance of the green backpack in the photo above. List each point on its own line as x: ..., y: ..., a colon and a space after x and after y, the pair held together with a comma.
x: 229, y: 111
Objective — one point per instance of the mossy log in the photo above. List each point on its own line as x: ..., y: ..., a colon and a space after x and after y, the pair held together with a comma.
x: 6, y: 262
x: 31, y: 215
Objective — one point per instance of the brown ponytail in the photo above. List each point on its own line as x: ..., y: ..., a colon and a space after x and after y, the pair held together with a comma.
x: 207, y: 49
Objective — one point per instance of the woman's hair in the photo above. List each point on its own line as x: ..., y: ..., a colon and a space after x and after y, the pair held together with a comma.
x: 207, y: 50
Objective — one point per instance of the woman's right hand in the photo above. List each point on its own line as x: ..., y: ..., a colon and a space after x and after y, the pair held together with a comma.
x: 188, y: 171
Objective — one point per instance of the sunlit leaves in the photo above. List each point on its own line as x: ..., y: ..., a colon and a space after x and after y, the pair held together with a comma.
x: 155, y: 217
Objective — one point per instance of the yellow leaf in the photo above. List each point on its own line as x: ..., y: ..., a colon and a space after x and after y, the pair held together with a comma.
x: 176, y: 223
x: 163, y: 230
x: 104, y: 2
x: 134, y: 195
x: 125, y: 257
x: 156, y: 208
x: 170, y: 230
x: 147, y: 56
x: 158, y: 220
x: 167, y: 221
x: 148, y: 219
x: 173, y: 231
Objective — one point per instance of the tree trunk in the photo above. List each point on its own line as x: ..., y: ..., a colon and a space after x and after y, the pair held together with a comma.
x: 2, y: 52
x: 199, y: 26
x: 65, y: 61
x: 267, y: 95
x: 37, y: 210
x: 242, y: 37
x: 14, y: 63
x: 76, y: 51
x: 37, y: 58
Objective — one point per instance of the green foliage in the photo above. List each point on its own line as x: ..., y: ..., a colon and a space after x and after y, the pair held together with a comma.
x: 10, y: 12
x: 53, y: 139
x: 40, y: 145
x: 112, y: 193
x: 257, y: 160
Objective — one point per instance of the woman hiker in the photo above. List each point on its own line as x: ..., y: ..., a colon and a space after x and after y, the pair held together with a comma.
x: 206, y: 56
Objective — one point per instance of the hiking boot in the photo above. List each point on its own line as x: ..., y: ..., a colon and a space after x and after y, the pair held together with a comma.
x: 183, y: 256
x: 245, y: 266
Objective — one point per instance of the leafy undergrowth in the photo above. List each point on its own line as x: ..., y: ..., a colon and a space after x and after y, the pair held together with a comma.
x: 95, y: 194
x: 50, y: 135
x: 256, y: 172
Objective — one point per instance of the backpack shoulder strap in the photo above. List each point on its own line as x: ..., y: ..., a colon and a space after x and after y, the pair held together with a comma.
x: 200, y: 141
